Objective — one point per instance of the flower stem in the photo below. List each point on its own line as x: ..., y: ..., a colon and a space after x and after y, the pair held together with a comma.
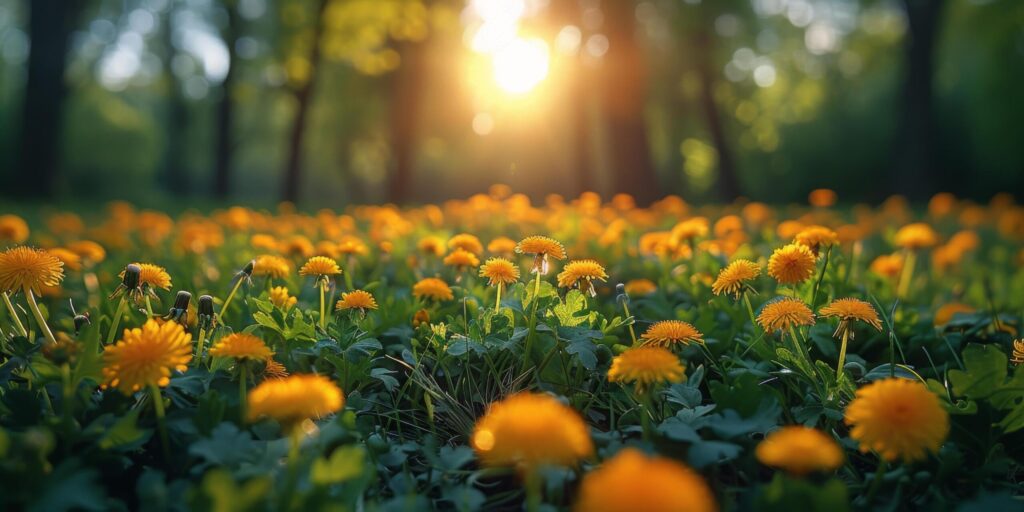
x: 533, y: 490
x: 323, y: 315
x: 497, y: 302
x: 161, y: 424
x: 242, y: 394
x: 907, y: 275
x: 14, y: 314
x: 645, y: 415
x: 876, y: 483
x: 31, y: 298
x: 294, y: 439
x: 69, y: 392
x: 115, y: 321
x: 149, y: 308
x: 227, y: 301
x: 199, y: 345
x: 533, y: 323
x: 632, y: 333
x: 842, y: 355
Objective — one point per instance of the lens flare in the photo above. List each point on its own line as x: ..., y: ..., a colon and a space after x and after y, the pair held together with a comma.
x: 521, y: 65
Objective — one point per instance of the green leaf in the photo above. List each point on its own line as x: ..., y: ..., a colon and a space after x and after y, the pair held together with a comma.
x: 985, y: 371
x: 125, y: 433
x: 572, y: 311
x: 89, y: 364
x: 344, y: 464
x: 267, y: 321
x: 228, y: 496
x: 584, y: 351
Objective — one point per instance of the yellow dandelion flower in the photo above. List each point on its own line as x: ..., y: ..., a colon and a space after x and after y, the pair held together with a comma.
x: 431, y: 246
x: 293, y: 399
x: 816, y: 238
x: 689, y: 229
x: 13, y: 229
x: 29, y: 268
x: 466, y: 242
x: 529, y: 430
x: 800, y: 450
x: 241, y: 347
x: 889, y: 266
x: 946, y: 312
x: 822, y: 197
x: 850, y: 310
x: 499, y: 271
x: 784, y: 313
x: 264, y: 242
x: 461, y: 259
x: 298, y: 246
x: 646, y: 366
x: 791, y: 264
x: 432, y: 288
x: 90, y: 252
x: 274, y: 370
x: 152, y: 277
x: 356, y: 299
x: 70, y: 259
x: 502, y: 246
x: 541, y: 247
x: 789, y: 228
x: 1017, y: 356
x: 916, y: 236
x: 146, y: 356
x: 279, y: 297
x: 669, y: 333
x: 352, y: 246
x: 734, y: 278
x: 898, y: 419
x: 640, y: 287
x: 274, y: 267
x: 320, y: 267
x: 632, y: 481
x: 582, y: 273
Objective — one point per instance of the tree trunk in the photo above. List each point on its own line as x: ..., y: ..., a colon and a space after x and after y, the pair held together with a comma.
x: 916, y: 161
x: 728, y: 183
x: 406, y: 91
x: 303, y: 95
x: 225, y: 144
x: 49, y: 28
x: 624, y: 94
x: 174, y: 177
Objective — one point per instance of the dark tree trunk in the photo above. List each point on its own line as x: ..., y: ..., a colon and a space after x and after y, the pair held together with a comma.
x: 916, y: 172
x: 728, y: 182
x: 49, y: 27
x: 406, y: 92
x: 174, y: 177
x: 580, y: 112
x: 624, y: 94
x: 225, y: 144
x: 303, y: 95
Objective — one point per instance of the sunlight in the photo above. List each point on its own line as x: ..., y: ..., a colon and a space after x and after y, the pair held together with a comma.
x: 521, y: 65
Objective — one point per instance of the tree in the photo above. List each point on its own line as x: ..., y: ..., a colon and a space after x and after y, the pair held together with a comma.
x: 225, y: 144
x: 173, y: 176
x: 50, y: 25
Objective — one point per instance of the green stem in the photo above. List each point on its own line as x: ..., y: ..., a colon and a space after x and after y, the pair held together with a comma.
x: 14, y: 315
x: 242, y: 393
x: 158, y: 407
x: 533, y: 323
x: 842, y: 355
x: 227, y: 301
x: 114, y: 322
x: 200, y: 344
x: 294, y: 439
x: 750, y: 311
x: 533, y: 490
x: 632, y: 333
x: 907, y: 275
x: 149, y: 308
x: 645, y: 415
x: 497, y: 302
x: 348, y: 280
x: 876, y: 483
x: 65, y: 376
x: 323, y: 315
x: 31, y: 298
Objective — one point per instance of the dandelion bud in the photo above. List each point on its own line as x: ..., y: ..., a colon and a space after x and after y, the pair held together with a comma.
x: 131, y: 276
x: 179, y: 311
x: 247, y: 270
x: 81, y: 321
x: 205, y: 311
x: 621, y: 297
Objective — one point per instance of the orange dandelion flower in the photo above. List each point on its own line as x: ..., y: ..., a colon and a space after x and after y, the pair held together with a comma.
x: 294, y: 399
x: 432, y: 288
x: 916, y: 236
x: 466, y: 242
x: 640, y: 287
x: 816, y: 238
x: 783, y: 314
x: 461, y: 259
x: 146, y: 356
x: 632, y: 481
x: 29, y: 268
x: 356, y: 299
x: 849, y: 311
x: 898, y: 419
x: 271, y: 266
x: 241, y: 347
x: 13, y: 229
x: 582, y: 273
x: 735, y: 278
x: 541, y: 247
x: 791, y: 264
x: 529, y: 430
x: 499, y: 271
x: 1017, y: 356
x: 800, y: 450
x: 279, y: 297
x: 669, y: 333
x: 646, y: 366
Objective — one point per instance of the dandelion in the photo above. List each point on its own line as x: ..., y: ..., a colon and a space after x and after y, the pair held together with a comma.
x: 29, y: 270
x: 243, y: 348
x: 640, y: 287
x: 1017, y: 356
x: 70, y: 259
x: 146, y: 356
x: 150, y: 278
x: 502, y: 246
x: 916, y: 236
x: 849, y: 311
x: 280, y: 298
x: 466, y: 242
x: 816, y: 237
x: 889, y: 266
x: 646, y: 366
x: 294, y: 399
x: 207, y: 321
x: 784, y: 314
x: 791, y: 264
x: 13, y: 229
x: 88, y: 251
x: 735, y: 278
x: 273, y: 267
x: 179, y: 311
x: 632, y: 481
x: 421, y: 317
x: 582, y: 273
x: 274, y: 370
x: 669, y: 333
x: 690, y: 229
x: 822, y: 197
x: 244, y: 275
x: 800, y: 450
x: 898, y: 419
x: 541, y: 247
x: 321, y: 268
x: 528, y: 431
x: 947, y: 312
x: 499, y: 272
x: 431, y: 246
x: 359, y: 300
x: 432, y: 288
x: 461, y: 260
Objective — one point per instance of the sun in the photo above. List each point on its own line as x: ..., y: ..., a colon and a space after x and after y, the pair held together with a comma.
x: 521, y: 65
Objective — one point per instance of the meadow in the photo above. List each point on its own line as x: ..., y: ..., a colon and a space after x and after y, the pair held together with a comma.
x: 497, y: 354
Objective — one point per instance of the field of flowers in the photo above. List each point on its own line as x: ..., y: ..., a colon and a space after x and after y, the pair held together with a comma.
x: 493, y: 354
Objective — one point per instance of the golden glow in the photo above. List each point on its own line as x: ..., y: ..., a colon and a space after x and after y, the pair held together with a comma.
x: 520, y: 65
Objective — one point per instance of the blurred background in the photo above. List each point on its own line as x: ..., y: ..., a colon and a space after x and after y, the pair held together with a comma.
x: 333, y: 102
